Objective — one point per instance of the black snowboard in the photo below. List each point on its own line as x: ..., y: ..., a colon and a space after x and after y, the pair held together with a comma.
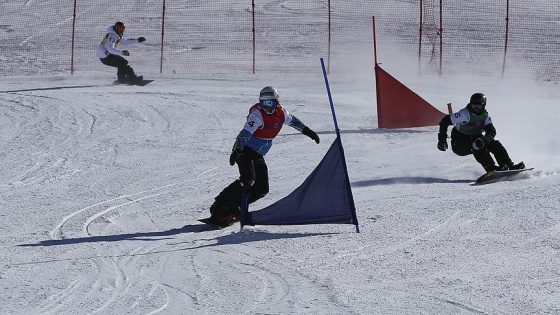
x: 144, y: 82
x: 215, y: 224
x: 496, y: 176
x: 141, y: 83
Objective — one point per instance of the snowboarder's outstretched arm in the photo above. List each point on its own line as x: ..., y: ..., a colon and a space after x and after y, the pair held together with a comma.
x: 261, y: 145
x: 131, y: 41
x: 444, y: 123
x: 311, y: 134
x: 297, y: 124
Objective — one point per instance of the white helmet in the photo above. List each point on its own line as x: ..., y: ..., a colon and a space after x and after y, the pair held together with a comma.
x: 268, y: 93
x: 269, y: 99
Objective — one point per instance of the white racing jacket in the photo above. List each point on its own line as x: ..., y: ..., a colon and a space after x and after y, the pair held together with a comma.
x: 110, y: 43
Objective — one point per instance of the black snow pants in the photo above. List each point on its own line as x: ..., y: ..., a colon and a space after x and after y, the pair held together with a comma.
x: 461, y: 144
x: 125, y: 73
x: 252, y: 169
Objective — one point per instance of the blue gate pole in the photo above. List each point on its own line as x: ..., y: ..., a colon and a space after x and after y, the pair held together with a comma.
x: 350, y: 197
x: 330, y: 98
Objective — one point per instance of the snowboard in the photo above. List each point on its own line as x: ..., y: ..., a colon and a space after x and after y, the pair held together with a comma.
x: 216, y: 225
x: 496, y: 176
x: 143, y: 83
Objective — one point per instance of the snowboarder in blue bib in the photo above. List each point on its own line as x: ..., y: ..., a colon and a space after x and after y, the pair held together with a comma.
x: 473, y: 133
x: 110, y: 55
x: 264, y: 122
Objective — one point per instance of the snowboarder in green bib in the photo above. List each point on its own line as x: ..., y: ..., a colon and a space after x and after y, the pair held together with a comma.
x: 474, y: 133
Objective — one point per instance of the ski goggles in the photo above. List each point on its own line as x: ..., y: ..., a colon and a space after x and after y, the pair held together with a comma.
x: 269, y: 106
x: 477, y: 106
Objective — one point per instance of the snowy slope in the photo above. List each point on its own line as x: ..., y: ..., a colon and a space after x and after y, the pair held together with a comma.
x: 102, y: 185
x: 101, y: 188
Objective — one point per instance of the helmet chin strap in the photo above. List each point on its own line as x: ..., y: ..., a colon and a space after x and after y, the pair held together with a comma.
x: 271, y: 113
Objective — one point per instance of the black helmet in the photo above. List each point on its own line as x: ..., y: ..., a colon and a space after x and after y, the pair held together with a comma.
x: 478, y: 99
x: 117, y: 26
x: 478, y: 103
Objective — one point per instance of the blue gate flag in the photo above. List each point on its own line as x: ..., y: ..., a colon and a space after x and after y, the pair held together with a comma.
x: 324, y: 197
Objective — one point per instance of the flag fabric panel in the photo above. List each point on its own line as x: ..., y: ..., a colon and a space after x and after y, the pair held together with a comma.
x: 399, y: 107
x: 324, y: 197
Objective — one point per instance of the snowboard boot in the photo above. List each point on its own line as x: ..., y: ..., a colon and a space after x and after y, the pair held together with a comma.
x: 490, y: 168
x: 518, y: 166
x: 511, y: 166
x: 223, y: 215
x: 135, y: 80
x: 227, y: 219
x: 501, y: 168
x: 121, y: 78
x: 493, y: 167
x: 138, y: 80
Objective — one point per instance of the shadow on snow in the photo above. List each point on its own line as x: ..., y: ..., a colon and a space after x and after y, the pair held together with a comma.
x: 234, y: 238
x: 411, y: 180
x: 53, y: 88
x: 229, y: 239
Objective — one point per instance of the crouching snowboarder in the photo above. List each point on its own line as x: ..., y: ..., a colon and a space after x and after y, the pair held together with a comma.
x: 473, y: 133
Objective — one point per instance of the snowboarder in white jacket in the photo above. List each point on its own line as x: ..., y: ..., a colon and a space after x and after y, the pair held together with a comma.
x: 110, y: 55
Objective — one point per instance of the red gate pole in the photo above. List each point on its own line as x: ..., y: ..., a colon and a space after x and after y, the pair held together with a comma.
x: 440, y: 36
x: 420, y: 37
x: 162, y: 33
x: 329, y: 39
x: 73, y: 39
x: 374, y: 40
x: 254, y: 38
x: 506, y: 43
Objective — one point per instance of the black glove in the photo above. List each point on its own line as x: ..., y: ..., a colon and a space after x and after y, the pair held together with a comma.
x: 125, y: 53
x: 479, y: 143
x: 442, y: 142
x: 442, y: 145
x: 234, y: 156
x: 488, y: 139
x: 141, y: 39
x: 311, y: 134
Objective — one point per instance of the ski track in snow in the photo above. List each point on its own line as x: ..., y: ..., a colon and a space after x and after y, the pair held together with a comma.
x: 116, y: 280
x: 122, y: 201
x: 121, y: 274
x: 115, y: 268
x: 102, y: 185
x: 47, y: 120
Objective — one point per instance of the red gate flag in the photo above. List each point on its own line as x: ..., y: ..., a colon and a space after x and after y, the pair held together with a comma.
x: 400, y: 107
